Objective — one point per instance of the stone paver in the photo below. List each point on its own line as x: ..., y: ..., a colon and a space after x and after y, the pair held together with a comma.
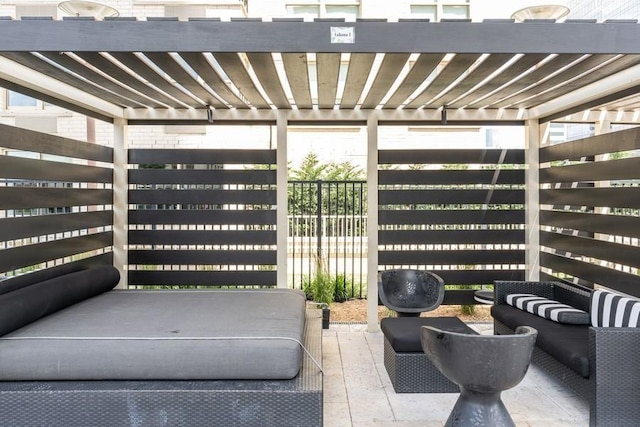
x: 358, y: 392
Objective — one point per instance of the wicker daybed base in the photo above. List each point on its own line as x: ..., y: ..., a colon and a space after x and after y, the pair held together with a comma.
x: 295, y: 402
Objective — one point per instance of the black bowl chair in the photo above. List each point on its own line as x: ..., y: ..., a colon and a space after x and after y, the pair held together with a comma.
x: 410, y: 292
x: 482, y: 366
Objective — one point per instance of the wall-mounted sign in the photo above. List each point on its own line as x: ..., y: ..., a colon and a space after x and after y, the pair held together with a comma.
x: 343, y: 35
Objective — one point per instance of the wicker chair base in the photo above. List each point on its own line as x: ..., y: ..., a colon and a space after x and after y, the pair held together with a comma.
x: 295, y: 402
x: 414, y: 373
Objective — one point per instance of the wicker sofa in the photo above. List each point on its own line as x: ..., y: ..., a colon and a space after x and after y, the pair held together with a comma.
x: 598, y: 363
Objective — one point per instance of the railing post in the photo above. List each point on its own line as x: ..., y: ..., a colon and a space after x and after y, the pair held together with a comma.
x: 319, y: 219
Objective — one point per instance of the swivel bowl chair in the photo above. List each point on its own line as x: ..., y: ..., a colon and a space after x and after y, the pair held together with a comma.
x: 483, y: 366
x: 410, y: 292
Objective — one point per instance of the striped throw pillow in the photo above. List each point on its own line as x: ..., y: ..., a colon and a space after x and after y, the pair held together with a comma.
x: 549, y: 309
x: 609, y: 309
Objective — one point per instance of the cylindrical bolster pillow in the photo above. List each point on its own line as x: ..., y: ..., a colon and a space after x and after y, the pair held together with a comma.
x: 26, y: 305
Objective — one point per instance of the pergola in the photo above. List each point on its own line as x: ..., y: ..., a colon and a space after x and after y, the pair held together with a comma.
x: 204, y: 71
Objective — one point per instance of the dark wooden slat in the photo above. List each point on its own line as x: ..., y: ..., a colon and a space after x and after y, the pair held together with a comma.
x: 328, y: 69
x: 208, y: 257
x: 234, y: 68
x: 408, y: 217
x: 616, y: 225
x: 28, y: 60
x: 459, y: 297
x: 449, y: 177
x: 108, y: 67
x: 533, y: 77
x: 479, y: 277
x: 588, y: 247
x: 142, y: 69
x: 265, y: 70
x: 624, y: 140
x: 28, y: 255
x: 19, y: 168
x: 444, y: 156
x: 614, y: 279
x: 357, y: 75
x: 204, y: 156
x: 264, y: 197
x: 99, y: 80
x: 397, y: 237
x: 28, y: 226
x: 479, y: 74
x: 426, y: 197
x: 581, y: 67
x: 26, y: 198
x: 392, y: 65
x: 197, y: 217
x: 461, y: 257
x: 27, y: 279
x: 456, y: 67
x: 200, y: 65
x: 514, y: 70
x: 295, y: 67
x: 593, y: 76
x: 188, y: 176
x: 28, y: 140
x: 625, y: 197
x: 202, y: 237
x: 169, y: 65
x: 204, y: 278
x: 593, y: 171
x: 423, y: 67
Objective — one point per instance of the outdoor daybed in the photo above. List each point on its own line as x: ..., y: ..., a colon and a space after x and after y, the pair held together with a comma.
x: 73, y: 352
x: 600, y: 363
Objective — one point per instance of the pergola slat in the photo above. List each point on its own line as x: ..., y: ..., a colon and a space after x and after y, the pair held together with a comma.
x: 200, y: 65
x: 328, y: 69
x: 108, y: 67
x: 456, y: 67
x: 235, y: 69
x: 295, y: 67
x: 423, y: 67
x: 265, y: 70
x: 392, y: 65
x: 523, y: 63
x: 592, y: 76
x: 357, y: 75
x: 74, y: 66
x: 142, y: 69
x: 169, y: 65
x: 484, y: 70
x: 29, y: 60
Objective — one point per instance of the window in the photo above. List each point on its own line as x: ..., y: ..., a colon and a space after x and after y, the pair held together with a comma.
x: 436, y: 10
x: 15, y: 99
x: 349, y: 10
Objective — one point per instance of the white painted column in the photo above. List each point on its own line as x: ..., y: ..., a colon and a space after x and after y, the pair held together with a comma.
x: 372, y: 222
x: 282, y: 122
x: 533, y: 136
x: 120, y: 200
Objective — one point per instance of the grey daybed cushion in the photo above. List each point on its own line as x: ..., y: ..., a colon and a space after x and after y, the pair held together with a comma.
x: 172, y: 335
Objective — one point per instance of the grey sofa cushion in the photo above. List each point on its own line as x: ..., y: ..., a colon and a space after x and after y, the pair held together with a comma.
x: 158, y: 335
x: 569, y: 344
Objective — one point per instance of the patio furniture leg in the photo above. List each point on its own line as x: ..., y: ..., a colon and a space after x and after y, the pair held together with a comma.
x: 479, y: 409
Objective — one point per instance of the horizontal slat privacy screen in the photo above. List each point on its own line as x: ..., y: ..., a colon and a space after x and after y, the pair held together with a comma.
x: 590, y: 208
x: 55, y: 204
x: 200, y: 217
x: 459, y: 213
